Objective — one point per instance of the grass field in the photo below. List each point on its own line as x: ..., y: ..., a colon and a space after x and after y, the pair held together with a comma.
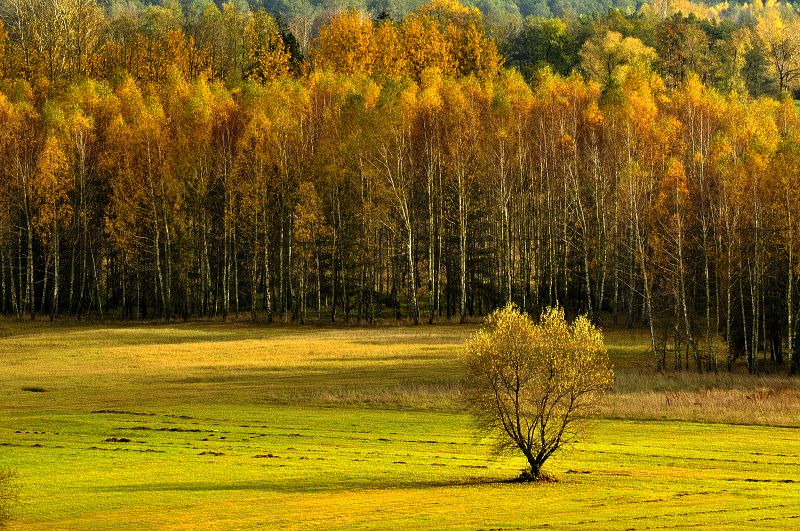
x: 222, y: 426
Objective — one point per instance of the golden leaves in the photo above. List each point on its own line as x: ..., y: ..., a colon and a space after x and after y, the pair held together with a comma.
x: 50, y: 189
x: 606, y: 57
x: 266, y: 55
x: 346, y: 44
x: 3, y: 46
x: 593, y: 115
x: 528, y: 383
x: 444, y: 36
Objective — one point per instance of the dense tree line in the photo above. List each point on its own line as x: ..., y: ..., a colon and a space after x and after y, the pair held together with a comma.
x: 753, y: 48
x: 209, y: 167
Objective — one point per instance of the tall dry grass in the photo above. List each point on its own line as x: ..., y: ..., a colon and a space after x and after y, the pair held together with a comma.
x: 396, y: 367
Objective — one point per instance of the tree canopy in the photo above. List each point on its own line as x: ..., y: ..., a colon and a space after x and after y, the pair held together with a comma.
x: 531, y: 385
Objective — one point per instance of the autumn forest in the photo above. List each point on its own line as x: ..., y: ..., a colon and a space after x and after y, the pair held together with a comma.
x: 173, y: 162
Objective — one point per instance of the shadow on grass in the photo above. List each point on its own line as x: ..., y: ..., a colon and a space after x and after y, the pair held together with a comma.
x: 99, y: 334
x: 421, y: 371
x: 310, y: 487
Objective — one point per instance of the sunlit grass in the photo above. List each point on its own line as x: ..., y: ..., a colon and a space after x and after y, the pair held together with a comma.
x: 174, y: 426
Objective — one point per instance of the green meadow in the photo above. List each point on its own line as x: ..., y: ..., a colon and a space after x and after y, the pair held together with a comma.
x: 235, y: 426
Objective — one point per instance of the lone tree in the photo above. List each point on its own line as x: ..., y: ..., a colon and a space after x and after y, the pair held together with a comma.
x: 530, y: 385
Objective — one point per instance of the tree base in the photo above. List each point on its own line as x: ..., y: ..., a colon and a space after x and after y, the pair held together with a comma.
x: 527, y: 477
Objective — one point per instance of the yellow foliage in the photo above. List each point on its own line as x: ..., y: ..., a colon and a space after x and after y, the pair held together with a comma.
x: 593, y: 114
x: 530, y: 384
x: 309, y: 220
x: 450, y: 11
x: 606, y: 57
x: 3, y: 45
x: 474, y: 53
x: 425, y: 47
x: 443, y: 36
x: 50, y: 191
x: 346, y: 44
x: 266, y: 55
x: 390, y: 57
x: 778, y: 32
x: 668, y: 8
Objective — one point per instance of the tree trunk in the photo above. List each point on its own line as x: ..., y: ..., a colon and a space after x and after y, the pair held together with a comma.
x: 267, y: 278
x: 167, y: 270
x: 712, y: 357
x: 45, y: 278
x: 30, y: 290
x: 56, y: 274
x: 431, y: 250
x: 412, y: 287
x: 98, y: 293
x: 253, y: 281
x: 319, y: 284
x: 159, y: 273
x: 462, y: 248
x: 794, y: 363
x: 235, y: 274
x: 15, y: 305
x: 2, y: 281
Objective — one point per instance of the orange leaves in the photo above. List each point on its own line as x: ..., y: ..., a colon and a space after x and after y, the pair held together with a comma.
x: 266, y: 55
x: 674, y: 182
x: 134, y: 156
x: 461, y: 36
x: 450, y: 12
x: 593, y: 115
x: 51, y: 189
x: 443, y: 36
x: 390, y: 53
x: 567, y: 142
x: 309, y: 224
x: 6, y: 110
x: 474, y: 53
x: 346, y: 44
x: 426, y: 47
x: 3, y: 47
